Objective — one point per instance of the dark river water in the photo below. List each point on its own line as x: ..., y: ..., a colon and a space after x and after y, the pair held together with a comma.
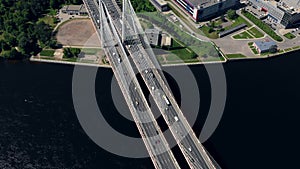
x: 259, y: 128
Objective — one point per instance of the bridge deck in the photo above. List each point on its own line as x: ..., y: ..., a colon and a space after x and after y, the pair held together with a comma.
x: 153, y: 138
x: 190, y: 146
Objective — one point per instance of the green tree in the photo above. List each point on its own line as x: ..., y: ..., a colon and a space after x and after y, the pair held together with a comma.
x: 231, y: 14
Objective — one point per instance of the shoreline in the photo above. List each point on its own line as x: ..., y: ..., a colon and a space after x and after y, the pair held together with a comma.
x: 164, y: 65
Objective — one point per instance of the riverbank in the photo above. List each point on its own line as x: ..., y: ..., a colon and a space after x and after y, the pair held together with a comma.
x: 165, y: 65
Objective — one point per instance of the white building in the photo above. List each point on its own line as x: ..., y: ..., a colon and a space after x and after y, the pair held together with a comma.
x: 204, y: 9
x: 285, y: 12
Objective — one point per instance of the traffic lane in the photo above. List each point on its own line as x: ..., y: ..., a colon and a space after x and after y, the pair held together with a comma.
x: 160, y: 146
x: 151, y: 130
x: 189, y: 142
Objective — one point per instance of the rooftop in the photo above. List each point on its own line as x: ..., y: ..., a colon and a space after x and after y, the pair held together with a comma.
x: 203, y: 3
x: 161, y: 2
x: 264, y: 44
x: 291, y: 6
x: 153, y: 31
x: 74, y: 7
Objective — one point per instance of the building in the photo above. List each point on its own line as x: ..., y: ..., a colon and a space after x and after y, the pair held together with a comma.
x: 74, y: 10
x: 154, y: 36
x: 284, y: 12
x: 234, y: 29
x: 166, y: 40
x: 201, y: 10
x: 157, y: 38
x: 263, y: 46
x: 160, y: 5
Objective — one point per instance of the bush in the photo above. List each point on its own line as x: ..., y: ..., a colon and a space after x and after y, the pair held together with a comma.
x: 71, y: 52
x: 266, y: 28
x: 231, y: 14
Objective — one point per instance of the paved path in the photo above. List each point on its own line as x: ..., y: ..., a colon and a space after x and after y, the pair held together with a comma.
x: 201, y: 37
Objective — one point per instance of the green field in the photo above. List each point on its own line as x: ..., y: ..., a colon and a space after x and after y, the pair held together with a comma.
x: 234, y: 56
x: 250, y: 44
x: 214, y: 34
x: 146, y: 25
x: 48, y: 20
x: 288, y: 49
x: 266, y: 28
x: 47, y: 52
x: 239, y: 20
x: 90, y: 51
x: 289, y: 35
x: 190, y: 45
x: 243, y: 35
x: 256, y: 33
x: 254, y: 51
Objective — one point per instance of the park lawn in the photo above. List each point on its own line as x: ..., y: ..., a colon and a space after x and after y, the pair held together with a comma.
x: 146, y: 24
x: 47, y: 52
x: 250, y: 44
x: 256, y: 33
x: 90, y: 51
x: 254, y: 51
x: 73, y: 59
x: 212, y: 35
x: 192, y: 61
x: 190, y: 44
x: 212, y: 59
x: 48, y: 20
x: 243, y: 35
x: 288, y: 49
x: 266, y: 28
x: 183, y: 53
x: 160, y: 58
x: 289, y: 35
x: 239, y: 20
x: 236, y: 55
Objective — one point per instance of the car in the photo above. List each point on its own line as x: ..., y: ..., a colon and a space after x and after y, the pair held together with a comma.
x: 176, y: 118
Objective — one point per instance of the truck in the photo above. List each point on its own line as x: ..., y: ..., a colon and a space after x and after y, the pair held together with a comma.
x: 166, y: 100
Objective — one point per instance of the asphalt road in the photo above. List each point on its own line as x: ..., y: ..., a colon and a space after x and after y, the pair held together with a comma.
x: 133, y: 93
x: 183, y: 136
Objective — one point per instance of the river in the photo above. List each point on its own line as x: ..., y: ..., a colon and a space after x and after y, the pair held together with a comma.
x: 259, y: 128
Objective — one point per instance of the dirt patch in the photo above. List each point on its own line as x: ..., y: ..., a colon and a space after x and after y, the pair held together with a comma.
x: 78, y: 32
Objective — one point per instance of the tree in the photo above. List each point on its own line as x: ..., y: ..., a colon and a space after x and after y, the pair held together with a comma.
x: 213, y: 24
x: 231, y: 14
x: 12, y: 54
x: 273, y: 49
x: 71, y: 52
x: 223, y: 18
x: 43, y: 33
